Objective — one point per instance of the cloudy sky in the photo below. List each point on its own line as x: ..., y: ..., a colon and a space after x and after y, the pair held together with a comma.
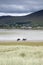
x: 19, y: 7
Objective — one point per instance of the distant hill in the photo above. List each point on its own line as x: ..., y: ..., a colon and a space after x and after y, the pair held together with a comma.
x: 34, y: 19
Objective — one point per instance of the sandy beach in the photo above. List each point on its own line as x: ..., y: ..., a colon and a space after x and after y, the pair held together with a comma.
x: 14, y: 34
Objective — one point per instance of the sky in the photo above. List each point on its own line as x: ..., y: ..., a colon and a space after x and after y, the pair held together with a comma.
x: 20, y: 7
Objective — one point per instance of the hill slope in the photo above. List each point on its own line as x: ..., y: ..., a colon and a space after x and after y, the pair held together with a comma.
x: 34, y: 19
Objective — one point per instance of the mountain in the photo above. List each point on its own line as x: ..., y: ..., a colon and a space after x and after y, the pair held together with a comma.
x: 33, y: 19
x: 36, y: 18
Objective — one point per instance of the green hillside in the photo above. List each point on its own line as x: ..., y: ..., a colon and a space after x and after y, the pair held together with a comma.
x: 33, y: 20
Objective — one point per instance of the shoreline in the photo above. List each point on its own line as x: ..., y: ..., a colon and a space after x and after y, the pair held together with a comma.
x: 23, y: 43
x: 20, y: 29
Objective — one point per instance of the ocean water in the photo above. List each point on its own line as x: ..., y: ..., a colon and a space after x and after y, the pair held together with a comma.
x: 14, y: 34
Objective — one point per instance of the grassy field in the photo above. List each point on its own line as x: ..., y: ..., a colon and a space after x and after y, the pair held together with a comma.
x: 21, y: 53
x: 26, y: 43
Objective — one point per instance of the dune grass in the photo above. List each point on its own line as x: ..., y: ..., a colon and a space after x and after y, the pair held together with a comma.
x: 21, y: 53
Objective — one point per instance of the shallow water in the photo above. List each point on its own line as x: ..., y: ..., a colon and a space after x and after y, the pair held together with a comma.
x: 14, y: 34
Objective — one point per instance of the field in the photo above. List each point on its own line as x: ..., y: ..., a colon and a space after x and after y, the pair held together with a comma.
x: 21, y: 53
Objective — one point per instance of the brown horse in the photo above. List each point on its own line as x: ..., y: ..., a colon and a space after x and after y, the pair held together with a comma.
x: 18, y: 39
x: 24, y: 39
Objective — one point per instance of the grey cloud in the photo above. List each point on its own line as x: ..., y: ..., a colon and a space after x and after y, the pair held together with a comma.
x: 20, y: 6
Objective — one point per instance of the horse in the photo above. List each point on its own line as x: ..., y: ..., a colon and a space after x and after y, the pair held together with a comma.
x: 18, y: 39
x: 24, y: 39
